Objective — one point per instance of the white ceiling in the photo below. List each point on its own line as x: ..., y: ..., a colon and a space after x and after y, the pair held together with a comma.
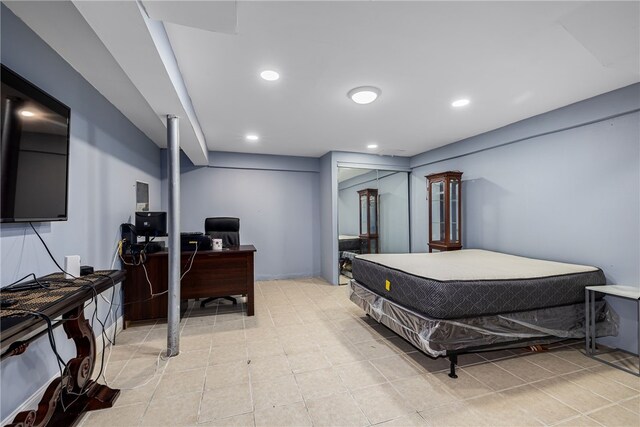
x: 513, y: 60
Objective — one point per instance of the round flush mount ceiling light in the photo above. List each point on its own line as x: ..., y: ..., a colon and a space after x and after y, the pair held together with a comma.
x: 460, y: 102
x: 270, y: 75
x: 252, y: 137
x: 364, y: 94
x: 372, y: 146
x: 27, y: 113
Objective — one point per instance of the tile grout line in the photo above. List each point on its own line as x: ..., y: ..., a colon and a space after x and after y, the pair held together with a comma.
x: 567, y: 404
x: 290, y: 370
x: 204, y: 383
x: 348, y: 391
x: 333, y: 313
x: 163, y: 370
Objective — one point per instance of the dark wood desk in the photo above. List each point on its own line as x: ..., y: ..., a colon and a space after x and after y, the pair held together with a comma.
x: 19, y: 327
x: 213, y: 274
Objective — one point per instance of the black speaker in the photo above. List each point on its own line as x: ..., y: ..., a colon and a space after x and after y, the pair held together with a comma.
x: 189, y: 242
x: 128, y: 234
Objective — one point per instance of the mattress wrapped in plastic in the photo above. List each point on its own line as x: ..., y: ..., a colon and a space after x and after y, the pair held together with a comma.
x: 436, y: 337
x: 473, y: 282
x: 349, y: 243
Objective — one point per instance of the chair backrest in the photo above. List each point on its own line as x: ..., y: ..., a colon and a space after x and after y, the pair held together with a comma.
x: 225, y: 228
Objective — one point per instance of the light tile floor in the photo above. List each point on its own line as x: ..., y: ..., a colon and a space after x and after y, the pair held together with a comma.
x: 310, y: 356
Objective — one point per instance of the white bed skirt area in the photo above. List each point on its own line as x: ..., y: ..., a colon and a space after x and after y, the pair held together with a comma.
x: 439, y: 337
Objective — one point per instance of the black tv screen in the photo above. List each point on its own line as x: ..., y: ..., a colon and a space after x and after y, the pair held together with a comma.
x: 35, y: 153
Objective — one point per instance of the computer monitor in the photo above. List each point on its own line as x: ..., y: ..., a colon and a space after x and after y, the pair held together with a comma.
x: 151, y: 224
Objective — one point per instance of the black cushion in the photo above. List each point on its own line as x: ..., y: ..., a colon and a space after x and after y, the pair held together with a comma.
x: 225, y: 228
x: 221, y: 223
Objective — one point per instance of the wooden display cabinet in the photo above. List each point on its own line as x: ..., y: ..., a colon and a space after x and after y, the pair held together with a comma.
x: 368, y: 221
x: 445, y: 210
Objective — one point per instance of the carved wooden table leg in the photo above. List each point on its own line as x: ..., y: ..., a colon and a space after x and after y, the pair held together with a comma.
x: 68, y: 397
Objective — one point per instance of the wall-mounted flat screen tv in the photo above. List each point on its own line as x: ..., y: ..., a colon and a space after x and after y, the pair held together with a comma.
x: 35, y: 153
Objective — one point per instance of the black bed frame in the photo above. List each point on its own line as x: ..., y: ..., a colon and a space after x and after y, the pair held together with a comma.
x: 453, y: 355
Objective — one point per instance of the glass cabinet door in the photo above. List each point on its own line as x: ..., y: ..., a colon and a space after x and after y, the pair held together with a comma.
x: 373, y: 213
x: 369, y: 220
x: 363, y: 215
x: 373, y: 245
x: 445, y: 223
x: 454, y: 200
x: 437, y: 211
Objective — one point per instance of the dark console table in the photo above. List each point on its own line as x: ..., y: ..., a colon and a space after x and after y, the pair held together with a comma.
x: 72, y: 394
x: 214, y: 273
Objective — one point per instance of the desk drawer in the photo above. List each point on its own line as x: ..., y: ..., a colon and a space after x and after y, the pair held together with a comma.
x: 215, y: 274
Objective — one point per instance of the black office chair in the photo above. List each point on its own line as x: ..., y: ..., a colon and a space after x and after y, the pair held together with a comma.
x: 227, y: 229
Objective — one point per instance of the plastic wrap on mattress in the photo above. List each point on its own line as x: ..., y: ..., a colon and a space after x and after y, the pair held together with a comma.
x: 348, y: 255
x: 436, y: 337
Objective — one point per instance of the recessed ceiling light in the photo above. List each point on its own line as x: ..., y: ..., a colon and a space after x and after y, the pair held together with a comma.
x: 460, y: 103
x: 372, y: 146
x: 270, y: 75
x: 364, y: 94
x: 27, y: 113
x: 252, y: 137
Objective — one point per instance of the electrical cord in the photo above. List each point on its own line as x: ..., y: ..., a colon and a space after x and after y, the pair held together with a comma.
x: 115, y: 255
x: 143, y: 259
x: 146, y: 275
x: 147, y: 381
x: 142, y: 262
x: 103, y: 335
x: 104, y: 365
x: 48, y: 251
x: 141, y: 255
x: 52, y: 340
x: 94, y: 317
x: 53, y: 258
x: 20, y: 280
x: 60, y: 361
x: 84, y: 388
x: 190, y: 262
x: 16, y: 287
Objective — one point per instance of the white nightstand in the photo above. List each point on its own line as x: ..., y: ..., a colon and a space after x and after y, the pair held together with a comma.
x: 628, y: 292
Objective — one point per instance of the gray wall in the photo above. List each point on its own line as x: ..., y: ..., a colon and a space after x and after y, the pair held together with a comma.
x: 563, y: 186
x: 276, y: 199
x: 107, y: 155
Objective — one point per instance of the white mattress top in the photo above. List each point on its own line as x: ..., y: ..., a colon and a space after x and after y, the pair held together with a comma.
x: 474, y: 264
x: 347, y: 237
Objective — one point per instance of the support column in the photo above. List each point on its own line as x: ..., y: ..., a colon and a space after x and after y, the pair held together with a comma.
x: 173, y: 311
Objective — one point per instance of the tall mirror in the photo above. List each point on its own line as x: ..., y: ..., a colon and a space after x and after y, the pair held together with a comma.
x: 373, y: 214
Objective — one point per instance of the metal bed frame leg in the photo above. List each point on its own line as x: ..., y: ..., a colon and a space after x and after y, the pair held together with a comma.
x: 587, y: 323
x: 453, y: 358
